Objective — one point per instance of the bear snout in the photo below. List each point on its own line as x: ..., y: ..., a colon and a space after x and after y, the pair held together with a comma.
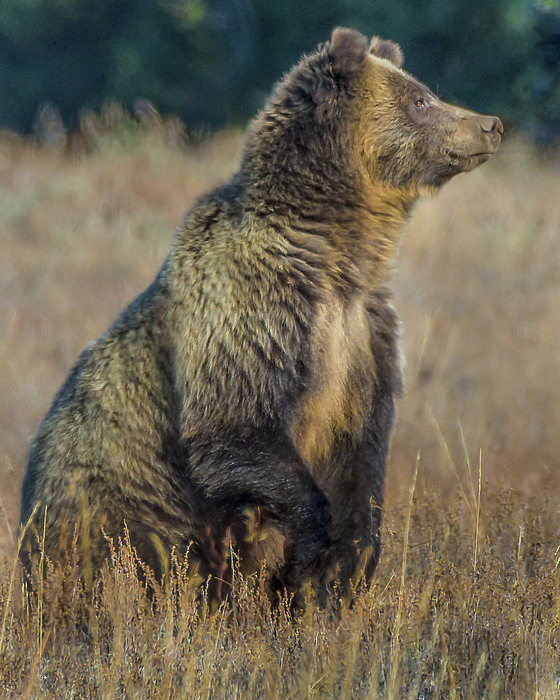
x: 477, y: 138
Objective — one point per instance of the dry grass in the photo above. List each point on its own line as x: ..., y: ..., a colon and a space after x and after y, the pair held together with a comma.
x: 466, y: 601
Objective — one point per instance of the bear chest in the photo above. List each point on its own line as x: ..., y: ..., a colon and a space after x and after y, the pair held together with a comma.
x: 342, y: 377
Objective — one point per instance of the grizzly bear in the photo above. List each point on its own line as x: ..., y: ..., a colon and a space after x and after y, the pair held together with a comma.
x: 258, y: 372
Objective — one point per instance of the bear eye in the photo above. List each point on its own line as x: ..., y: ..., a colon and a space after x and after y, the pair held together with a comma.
x: 419, y: 102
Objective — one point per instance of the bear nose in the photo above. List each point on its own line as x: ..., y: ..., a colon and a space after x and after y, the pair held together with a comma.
x: 493, y: 127
x: 496, y: 128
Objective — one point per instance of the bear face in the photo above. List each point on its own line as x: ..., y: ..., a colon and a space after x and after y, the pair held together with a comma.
x: 406, y: 137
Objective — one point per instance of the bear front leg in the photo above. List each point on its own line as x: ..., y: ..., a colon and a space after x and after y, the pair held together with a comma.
x: 357, y: 497
x: 251, y: 469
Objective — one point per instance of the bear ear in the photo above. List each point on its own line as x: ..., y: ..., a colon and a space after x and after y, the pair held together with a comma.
x: 383, y: 48
x: 348, y: 51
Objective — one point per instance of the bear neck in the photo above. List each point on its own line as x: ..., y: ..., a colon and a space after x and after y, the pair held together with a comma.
x: 308, y: 185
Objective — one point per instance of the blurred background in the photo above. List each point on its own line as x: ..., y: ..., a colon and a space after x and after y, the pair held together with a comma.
x: 211, y: 62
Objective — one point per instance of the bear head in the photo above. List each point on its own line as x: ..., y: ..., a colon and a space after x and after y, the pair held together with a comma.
x: 404, y: 135
x: 347, y: 129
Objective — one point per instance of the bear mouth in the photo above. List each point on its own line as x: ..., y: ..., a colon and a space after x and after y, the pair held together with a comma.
x: 468, y: 159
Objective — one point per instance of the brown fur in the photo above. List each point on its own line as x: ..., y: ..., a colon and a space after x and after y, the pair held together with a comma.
x: 257, y: 374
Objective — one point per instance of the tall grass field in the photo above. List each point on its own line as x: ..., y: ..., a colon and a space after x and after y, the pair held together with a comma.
x: 465, y: 602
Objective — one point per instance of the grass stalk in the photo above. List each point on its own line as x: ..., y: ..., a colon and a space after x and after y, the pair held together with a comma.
x: 477, y: 528
x: 398, y: 618
x: 8, y: 601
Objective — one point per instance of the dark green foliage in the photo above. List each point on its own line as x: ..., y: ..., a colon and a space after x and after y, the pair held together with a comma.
x: 212, y: 61
x: 81, y: 53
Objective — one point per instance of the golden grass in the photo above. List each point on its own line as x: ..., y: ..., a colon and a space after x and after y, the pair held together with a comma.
x: 466, y: 600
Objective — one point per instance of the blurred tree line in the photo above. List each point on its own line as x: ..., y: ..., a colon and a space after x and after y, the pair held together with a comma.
x: 211, y: 62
